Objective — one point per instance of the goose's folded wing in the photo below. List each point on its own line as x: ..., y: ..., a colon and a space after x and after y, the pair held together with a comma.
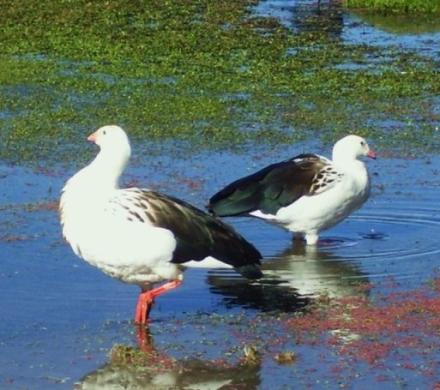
x: 198, y: 235
x: 273, y: 187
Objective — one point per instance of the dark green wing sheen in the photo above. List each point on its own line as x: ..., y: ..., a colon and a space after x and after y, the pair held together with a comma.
x: 200, y: 235
x: 269, y: 189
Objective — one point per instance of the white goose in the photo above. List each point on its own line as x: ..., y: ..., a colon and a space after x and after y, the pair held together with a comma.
x: 141, y: 236
x: 305, y: 194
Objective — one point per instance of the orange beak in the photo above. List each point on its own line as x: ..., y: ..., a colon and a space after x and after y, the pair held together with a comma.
x: 92, y: 137
x: 372, y: 154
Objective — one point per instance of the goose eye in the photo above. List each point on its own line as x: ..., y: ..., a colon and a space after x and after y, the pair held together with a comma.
x: 104, y: 132
x: 362, y: 142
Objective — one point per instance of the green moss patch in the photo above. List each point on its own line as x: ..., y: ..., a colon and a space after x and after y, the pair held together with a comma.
x: 396, y: 6
x: 209, y: 73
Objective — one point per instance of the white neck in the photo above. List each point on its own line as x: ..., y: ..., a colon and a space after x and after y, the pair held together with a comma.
x: 106, y: 169
x: 102, y: 174
x: 341, y: 159
x: 86, y: 193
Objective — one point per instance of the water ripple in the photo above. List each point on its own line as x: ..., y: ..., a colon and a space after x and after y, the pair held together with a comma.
x: 396, y: 241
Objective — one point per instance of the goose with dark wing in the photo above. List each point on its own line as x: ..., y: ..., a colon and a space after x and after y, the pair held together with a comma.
x: 140, y: 236
x: 306, y: 194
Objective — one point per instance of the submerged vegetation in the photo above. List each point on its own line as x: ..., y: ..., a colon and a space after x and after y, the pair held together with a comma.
x: 396, y: 6
x: 199, y: 71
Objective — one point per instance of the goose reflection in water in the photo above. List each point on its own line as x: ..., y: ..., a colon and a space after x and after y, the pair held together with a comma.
x: 147, y: 368
x: 292, y: 279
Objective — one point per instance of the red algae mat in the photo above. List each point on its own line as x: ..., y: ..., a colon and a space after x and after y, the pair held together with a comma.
x: 397, y: 331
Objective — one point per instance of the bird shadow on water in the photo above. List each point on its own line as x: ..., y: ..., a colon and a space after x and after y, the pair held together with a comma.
x: 293, y: 279
x: 147, y: 367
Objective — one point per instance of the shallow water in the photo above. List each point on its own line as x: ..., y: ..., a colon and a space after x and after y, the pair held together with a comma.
x: 61, y: 316
x: 417, y: 34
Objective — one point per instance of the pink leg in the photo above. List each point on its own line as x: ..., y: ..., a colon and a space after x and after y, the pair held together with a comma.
x: 146, y: 300
x: 144, y: 303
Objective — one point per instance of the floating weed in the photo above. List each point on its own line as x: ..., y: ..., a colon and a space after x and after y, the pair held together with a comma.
x: 14, y: 238
x: 208, y: 73
x: 135, y: 363
x: 251, y: 355
x: 41, y: 206
x: 404, y: 325
x: 396, y: 6
x: 129, y: 356
x: 286, y: 357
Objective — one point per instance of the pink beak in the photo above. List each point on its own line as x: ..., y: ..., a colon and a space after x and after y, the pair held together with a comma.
x: 372, y: 154
x: 92, y: 137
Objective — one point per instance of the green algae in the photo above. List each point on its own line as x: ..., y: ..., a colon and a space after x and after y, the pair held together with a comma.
x: 396, y: 6
x: 401, y: 23
x: 208, y: 73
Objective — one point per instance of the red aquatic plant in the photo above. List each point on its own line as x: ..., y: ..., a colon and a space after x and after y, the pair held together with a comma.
x: 370, y: 330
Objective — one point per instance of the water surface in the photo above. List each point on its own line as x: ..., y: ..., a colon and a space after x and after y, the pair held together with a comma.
x: 61, y: 316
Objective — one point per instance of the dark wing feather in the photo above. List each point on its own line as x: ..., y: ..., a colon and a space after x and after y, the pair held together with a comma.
x: 200, y: 235
x: 269, y: 189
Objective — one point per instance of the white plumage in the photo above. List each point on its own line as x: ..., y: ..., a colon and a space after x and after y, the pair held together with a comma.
x: 141, y: 236
x: 306, y: 194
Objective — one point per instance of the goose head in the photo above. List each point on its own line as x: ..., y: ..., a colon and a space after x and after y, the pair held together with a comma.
x: 352, y: 147
x: 114, y: 151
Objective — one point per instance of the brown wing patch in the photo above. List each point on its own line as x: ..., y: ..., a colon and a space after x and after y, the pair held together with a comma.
x: 325, y: 179
x: 310, y: 174
x: 198, y: 234
x: 275, y: 186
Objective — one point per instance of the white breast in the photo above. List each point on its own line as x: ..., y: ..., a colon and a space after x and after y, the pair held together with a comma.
x: 100, y: 233
x: 323, y: 210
